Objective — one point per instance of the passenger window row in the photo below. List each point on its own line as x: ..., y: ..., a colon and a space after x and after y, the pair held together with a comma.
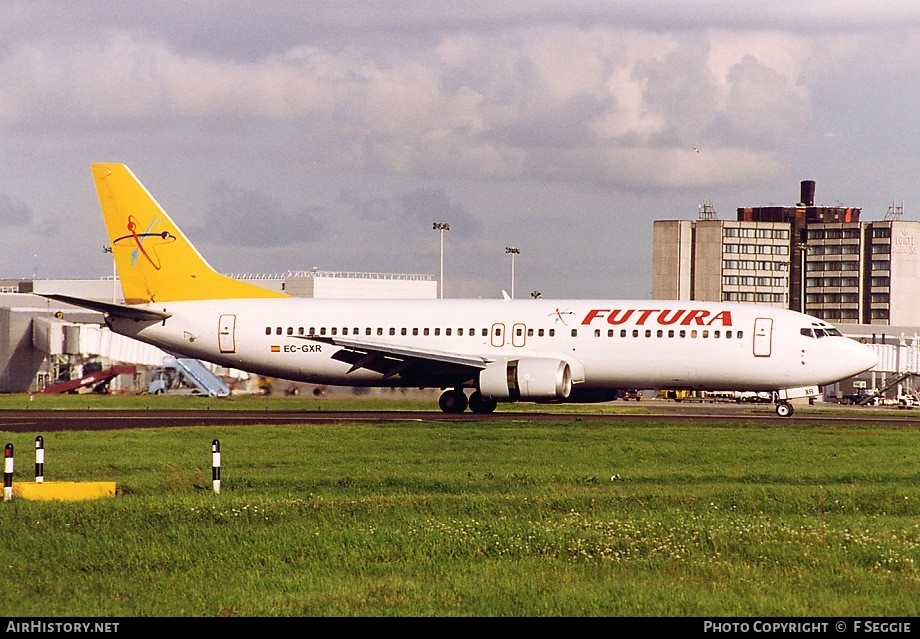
x: 671, y: 333
x: 484, y: 332
x: 379, y: 331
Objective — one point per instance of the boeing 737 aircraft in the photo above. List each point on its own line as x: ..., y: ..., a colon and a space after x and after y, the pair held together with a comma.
x: 480, y: 352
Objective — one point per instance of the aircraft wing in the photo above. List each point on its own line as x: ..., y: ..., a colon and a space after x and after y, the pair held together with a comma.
x: 109, y: 308
x: 408, y: 363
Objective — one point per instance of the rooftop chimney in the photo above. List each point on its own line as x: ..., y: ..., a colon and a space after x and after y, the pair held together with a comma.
x: 808, y: 193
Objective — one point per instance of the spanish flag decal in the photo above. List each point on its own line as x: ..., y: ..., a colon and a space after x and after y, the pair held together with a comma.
x: 276, y: 348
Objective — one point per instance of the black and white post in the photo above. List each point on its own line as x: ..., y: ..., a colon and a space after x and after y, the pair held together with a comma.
x: 8, y: 472
x: 39, y: 460
x: 215, y: 465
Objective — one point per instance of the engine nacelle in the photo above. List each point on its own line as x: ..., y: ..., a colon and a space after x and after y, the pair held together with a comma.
x: 532, y: 379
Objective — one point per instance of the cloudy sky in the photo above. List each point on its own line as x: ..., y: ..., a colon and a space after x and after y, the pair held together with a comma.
x: 291, y: 135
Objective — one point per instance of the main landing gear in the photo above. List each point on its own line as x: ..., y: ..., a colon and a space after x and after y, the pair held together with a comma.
x: 455, y: 401
x: 784, y: 409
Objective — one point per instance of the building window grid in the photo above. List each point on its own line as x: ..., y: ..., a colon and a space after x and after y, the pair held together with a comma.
x: 846, y: 306
x: 755, y: 249
x: 881, y: 249
x: 752, y: 279
x: 820, y: 234
x: 754, y: 265
x: 757, y: 233
x: 827, y: 267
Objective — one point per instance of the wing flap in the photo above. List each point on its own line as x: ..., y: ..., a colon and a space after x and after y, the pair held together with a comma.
x: 393, y: 360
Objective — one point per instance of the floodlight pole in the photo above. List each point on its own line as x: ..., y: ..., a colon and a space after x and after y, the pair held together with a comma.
x: 513, y: 251
x: 441, y: 227
x: 111, y: 249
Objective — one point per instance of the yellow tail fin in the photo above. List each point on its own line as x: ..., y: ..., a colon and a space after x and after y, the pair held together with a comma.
x: 155, y: 261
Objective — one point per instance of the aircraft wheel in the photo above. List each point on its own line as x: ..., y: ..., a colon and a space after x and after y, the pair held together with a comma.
x: 482, y: 405
x: 784, y: 409
x: 453, y: 401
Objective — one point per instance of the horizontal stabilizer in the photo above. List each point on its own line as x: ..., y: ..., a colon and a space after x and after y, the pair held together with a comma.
x: 110, y: 308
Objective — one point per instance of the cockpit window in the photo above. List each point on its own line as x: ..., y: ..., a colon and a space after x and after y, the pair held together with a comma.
x: 824, y: 331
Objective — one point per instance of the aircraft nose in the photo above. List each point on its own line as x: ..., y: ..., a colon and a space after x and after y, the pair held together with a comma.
x: 864, y: 357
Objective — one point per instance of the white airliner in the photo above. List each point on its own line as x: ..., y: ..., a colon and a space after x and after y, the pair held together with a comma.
x: 499, y: 350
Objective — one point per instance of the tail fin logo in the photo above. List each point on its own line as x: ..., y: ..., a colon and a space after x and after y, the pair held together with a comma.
x: 137, y: 240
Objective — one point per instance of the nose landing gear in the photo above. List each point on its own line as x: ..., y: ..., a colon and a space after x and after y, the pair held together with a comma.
x: 784, y: 409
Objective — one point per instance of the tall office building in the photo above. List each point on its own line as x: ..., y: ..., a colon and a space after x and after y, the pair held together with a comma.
x: 817, y: 259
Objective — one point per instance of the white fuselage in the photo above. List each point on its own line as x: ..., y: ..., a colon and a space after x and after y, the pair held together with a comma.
x: 608, y: 344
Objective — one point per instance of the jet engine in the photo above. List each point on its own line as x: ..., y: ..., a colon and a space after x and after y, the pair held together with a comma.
x: 532, y: 379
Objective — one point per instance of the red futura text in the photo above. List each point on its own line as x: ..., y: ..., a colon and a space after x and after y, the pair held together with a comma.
x: 664, y: 317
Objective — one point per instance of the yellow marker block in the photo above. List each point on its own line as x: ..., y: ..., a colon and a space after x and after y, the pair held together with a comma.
x: 64, y: 490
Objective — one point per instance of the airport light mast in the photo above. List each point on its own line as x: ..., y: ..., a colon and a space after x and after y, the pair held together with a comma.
x: 111, y: 249
x: 441, y: 227
x: 513, y: 250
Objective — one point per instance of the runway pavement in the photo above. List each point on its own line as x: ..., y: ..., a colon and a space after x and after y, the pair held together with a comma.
x: 41, y: 421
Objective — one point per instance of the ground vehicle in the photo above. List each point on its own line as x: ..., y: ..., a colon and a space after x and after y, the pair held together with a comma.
x: 751, y: 396
x: 676, y: 395
x: 630, y: 393
x: 859, y: 397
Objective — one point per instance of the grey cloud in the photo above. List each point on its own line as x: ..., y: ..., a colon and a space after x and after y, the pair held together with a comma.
x: 423, y: 207
x: 241, y: 217
x: 679, y: 87
x: 14, y: 212
x: 490, y: 104
x: 763, y: 106
x: 242, y: 29
x: 370, y: 209
x: 413, y: 211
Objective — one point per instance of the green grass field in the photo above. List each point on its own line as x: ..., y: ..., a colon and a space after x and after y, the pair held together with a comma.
x: 568, y: 518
